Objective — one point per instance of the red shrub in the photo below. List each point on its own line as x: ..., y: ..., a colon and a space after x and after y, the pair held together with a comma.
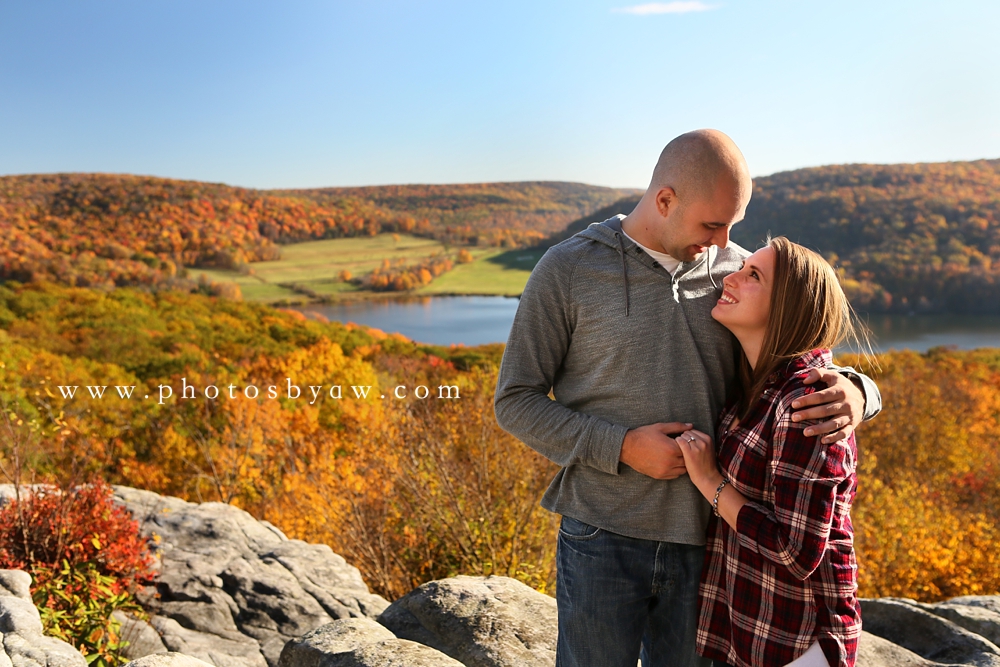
x: 49, y: 526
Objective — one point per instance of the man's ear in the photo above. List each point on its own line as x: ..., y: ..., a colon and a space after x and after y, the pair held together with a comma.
x: 666, y: 200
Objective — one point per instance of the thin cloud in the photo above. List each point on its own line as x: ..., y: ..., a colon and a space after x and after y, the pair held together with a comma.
x: 665, y: 8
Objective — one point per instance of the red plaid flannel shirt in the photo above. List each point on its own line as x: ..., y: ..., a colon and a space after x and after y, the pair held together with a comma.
x: 787, y: 575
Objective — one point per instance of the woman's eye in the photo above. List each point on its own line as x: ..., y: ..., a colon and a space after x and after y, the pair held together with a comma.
x: 753, y: 274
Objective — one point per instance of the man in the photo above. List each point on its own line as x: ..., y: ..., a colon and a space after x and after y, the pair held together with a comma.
x: 616, y: 322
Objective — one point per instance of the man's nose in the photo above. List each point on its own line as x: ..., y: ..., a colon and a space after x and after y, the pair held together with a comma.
x: 721, y: 237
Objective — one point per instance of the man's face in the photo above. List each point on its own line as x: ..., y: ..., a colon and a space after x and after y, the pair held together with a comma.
x: 691, y: 227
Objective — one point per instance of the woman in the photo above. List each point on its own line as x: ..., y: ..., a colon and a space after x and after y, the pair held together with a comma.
x: 779, y: 582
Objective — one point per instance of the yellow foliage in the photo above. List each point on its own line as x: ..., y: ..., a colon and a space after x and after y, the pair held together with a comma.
x: 927, y: 506
x: 415, y: 489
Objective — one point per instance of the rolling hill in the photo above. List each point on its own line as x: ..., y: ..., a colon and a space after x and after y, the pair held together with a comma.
x: 112, y: 230
x: 905, y: 238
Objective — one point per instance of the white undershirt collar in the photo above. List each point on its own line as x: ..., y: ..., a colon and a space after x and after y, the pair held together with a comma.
x: 662, y: 258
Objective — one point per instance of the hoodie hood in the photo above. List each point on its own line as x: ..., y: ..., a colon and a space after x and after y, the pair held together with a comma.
x: 708, y: 269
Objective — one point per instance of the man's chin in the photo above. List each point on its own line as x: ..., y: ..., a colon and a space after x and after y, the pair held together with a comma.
x: 694, y: 253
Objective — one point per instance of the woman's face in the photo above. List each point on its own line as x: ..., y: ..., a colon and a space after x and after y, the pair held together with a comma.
x: 746, y: 295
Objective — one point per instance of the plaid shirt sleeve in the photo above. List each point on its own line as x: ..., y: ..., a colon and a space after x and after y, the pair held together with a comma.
x: 804, y: 477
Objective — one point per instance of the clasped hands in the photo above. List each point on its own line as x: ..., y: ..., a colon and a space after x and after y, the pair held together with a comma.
x: 653, y: 449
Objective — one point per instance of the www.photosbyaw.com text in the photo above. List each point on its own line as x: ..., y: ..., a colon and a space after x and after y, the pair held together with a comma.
x: 311, y: 393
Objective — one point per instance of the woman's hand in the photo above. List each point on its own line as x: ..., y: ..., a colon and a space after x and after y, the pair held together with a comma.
x: 699, y: 459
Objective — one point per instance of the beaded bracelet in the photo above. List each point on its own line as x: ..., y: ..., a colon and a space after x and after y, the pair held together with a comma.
x: 715, y: 501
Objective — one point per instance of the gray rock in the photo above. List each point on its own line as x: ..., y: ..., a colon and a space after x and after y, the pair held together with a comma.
x: 873, y: 651
x: 270, y: 597
x: 16, y: 583
x: 19, y: 616
x: 480, y: 621
x: 390, y: 653
x: 981, y: 620
x: 976, y: 613
x: 222, y: 652
x: 236, y: 588
x: 217, y: 615
x: 21, y: 637
x: 41, y: 651
x: 991, y: 602
x: 142, y: 639
x: 8, y: 493
x: 340, y: 636
x: 906, y: 623
x: 168, y: 660
x: 326, y: 576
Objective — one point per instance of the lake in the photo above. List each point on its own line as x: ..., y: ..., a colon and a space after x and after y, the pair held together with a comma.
x: 440, y: 320
x: 474, y: 320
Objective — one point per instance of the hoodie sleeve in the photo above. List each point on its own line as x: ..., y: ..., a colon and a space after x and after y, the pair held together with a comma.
x: 873, y: 397
x: 539, y: 339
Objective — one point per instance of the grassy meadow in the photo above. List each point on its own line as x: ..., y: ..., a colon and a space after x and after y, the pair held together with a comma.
x: 317, y: 265
x: 492, y: 272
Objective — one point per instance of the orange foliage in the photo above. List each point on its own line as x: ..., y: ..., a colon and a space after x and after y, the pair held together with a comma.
x: 929, y: 494
x: 399, y: 277
x: 413, y: 489
x: 57, y: 227
x: 104, y: 230
x: 433, y: 489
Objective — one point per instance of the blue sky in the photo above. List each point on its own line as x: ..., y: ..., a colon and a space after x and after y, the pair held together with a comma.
x: 304, y: 94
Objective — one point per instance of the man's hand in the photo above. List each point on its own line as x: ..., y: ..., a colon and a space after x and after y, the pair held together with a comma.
x: 841, y: 405
x: 651, y: 451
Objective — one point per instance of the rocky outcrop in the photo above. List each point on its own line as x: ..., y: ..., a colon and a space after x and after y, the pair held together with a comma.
x: 22, y: 641
x: 233, y: 590
x: 168, y: 659
x: 140, y: 637
x: 976, y: 613
x: 873, y: 651
x: 359, y: 642
x: 920, y: 629
x: 479, y: 621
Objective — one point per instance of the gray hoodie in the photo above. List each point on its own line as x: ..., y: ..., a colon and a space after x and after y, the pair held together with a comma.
x: 620, y: 343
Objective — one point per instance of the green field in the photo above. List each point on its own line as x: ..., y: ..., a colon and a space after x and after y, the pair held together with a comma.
x: 316, y: 265
x: 498, y: 272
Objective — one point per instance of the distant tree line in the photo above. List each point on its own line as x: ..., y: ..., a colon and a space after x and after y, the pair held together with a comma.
x: 904, y: 238
x: 107, y: 230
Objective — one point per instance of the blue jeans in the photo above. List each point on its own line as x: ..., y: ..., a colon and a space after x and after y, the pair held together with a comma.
x: 619, y: 595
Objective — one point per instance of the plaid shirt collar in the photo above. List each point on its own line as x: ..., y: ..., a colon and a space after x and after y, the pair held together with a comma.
x: 820, y: 358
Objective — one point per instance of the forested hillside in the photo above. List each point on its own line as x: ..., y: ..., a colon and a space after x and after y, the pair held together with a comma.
x: 484, y: 213
x: 908, y: 237
x: 114, y: 230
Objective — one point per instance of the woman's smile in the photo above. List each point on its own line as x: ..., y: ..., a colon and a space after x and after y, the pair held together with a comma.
x: 727, y: 298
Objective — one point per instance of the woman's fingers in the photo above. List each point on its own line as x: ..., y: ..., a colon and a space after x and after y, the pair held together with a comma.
x: 697, y: 435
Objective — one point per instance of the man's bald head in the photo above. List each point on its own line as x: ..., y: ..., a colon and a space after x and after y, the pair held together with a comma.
x: 701, y: 187
x: 697, y: 164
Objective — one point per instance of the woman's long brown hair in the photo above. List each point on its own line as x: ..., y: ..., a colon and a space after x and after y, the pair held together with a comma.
x: 809, y: 310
